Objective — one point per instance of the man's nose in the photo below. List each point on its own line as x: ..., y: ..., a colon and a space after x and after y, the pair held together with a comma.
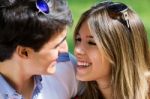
x: 63, y: 47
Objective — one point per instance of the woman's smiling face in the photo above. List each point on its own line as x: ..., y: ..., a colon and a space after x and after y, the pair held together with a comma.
x: 91, y: 61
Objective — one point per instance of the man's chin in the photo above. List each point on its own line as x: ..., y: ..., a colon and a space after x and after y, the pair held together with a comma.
x: 51, y: 69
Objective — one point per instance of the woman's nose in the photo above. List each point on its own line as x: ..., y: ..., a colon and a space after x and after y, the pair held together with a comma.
x: 79, y: 50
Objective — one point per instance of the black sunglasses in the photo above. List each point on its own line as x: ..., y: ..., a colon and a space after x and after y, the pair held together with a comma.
x: 118, y: 11
x: 42, y: 6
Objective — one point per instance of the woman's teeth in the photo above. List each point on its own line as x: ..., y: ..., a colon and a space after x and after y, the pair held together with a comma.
x: 85, y: 64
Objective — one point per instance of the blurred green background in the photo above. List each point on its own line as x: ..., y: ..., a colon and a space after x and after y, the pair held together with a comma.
x: 142, y: 7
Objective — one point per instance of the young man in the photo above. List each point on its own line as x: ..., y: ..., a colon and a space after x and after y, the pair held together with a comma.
x: 32, y: 34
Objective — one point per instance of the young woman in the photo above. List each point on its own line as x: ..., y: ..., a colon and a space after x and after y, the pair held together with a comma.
x: 112, y: 53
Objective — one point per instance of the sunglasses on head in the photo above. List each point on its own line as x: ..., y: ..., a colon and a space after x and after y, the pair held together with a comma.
x: 42, y: 6
x: 118, y: 11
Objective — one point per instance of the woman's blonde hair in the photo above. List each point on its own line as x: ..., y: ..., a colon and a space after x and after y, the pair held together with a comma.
x: 126, y: 48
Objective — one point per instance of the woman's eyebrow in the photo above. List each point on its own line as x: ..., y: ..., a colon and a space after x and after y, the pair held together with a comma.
x: 89, y: 36
x: 60, y: 42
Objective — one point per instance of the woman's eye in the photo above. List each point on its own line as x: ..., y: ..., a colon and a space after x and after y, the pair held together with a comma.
x: 78, y: 39
x: 91, y: 43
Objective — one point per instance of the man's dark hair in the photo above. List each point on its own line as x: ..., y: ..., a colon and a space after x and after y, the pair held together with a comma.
x: 21, y: 23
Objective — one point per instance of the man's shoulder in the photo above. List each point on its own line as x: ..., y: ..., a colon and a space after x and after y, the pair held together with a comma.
x: 63, y: 81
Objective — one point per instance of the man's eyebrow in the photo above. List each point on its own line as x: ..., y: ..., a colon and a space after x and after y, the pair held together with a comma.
x: 60, y: 42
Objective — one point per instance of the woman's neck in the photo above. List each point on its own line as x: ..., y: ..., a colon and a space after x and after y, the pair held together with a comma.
x: 107, y: 92
x: 106, y: 88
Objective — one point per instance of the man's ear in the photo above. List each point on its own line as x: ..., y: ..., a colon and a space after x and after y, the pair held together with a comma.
x: 23, y: 51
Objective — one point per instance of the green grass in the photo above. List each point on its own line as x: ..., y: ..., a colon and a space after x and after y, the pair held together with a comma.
x: 79, y: 6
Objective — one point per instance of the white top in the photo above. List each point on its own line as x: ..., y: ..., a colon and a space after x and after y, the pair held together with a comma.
x: 61, y: 85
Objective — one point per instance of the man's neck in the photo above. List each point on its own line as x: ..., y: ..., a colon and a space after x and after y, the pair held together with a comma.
x: 15, y: 76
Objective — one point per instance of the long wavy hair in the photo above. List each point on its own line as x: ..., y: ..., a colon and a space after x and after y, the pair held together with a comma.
x: 127, y: 50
